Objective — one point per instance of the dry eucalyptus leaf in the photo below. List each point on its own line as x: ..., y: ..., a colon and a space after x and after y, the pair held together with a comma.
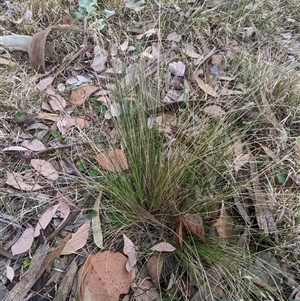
x: 163, y: 247
x: 79, y: 96
x: 45, y: 219
x: 205, y: 87
x: 15, y: 180
x: 56, y: 102
x: 213, y: 111
x: 14, y: 148
x: 173, y: 36
x: 45, y: 168
x: 194, y: 224
x: 10, y: 273
x: 124, y: 46
x: 44, y: 83
x: 24, y: 243
x: 37, y: 49
x: 224, y: 223
x: 112, y: 160
x: 240, y: 161
x: 129, y: 250
x: 96, y: 224
x: 177, y: 68
x: 34, y: 145
x: 100, y: 59
x: 154, y: 266
x: 78, y: 240
x: 103, y: 277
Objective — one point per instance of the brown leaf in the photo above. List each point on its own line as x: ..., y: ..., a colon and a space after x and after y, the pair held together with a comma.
x: 45, y: 168
x: 163, y: 247
x: 23, y: 244
x: 17, y: 181
x: 44, y: 83
x: 100, y: 59
x: 213, y: 111
x: 45, y: 219
x: 224, y: 223
x: 34, y: 145
x: 37, y: 50
x: 205, y: 87
x: 78, y: 240
x: 194, y: 224
x: 240, y: 161
x: 112, y: 160
x: 56, y: 102
x: 103, y: 277
x: 81, y: 95
x: 129, y: 250
x: 173, y: 36
x: 154, y: 267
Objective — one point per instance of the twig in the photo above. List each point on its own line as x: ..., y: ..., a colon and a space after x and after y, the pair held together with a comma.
x: 206, y: 58
x: 66, y: 63
x: 47, y: 150
x: 70, y: 218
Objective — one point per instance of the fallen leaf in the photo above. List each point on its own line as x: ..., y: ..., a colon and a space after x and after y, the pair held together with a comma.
x: 81, y: 95
x: 103, y: 277
x: 134, y: 4
x: 124, y: 46
x: 37, y: 49
x: 80, y: 122
x: 191, y: 54
x: 62, y: 125
x: 78, y: 240
x: 217, y: 59
x: 226, y: 78
x: 145, y: 291
x: 129, y: 250
x: 240, y: 161
x: 56, y: 102
x: 148, y: 33
x: 10, y: 273
x: 45, y: 219
x: 194, y: 224
x: 154, y: 266
x: 173, y: 36
x: 177, y: 68
x: 44, y: 83
x: 213, y: 111
x: 205, y: 87
x: 96, y: 224
x: 14, y: 148
x: 24, y: 243
x: 45, y: 168
x: 34, y: 145
x: 112, y: 160
x: 48, y: 116
x: 224, y: 223
x: 15, y: 180
x: 172, y: 281
x: 63, y: 209
x: 163, y: 247
x: 100, y: 59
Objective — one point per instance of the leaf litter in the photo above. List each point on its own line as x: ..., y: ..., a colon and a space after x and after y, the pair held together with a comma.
x: 221, y: 91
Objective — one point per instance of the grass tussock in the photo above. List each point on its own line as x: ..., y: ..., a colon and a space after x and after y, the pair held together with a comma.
x: 182, y: 160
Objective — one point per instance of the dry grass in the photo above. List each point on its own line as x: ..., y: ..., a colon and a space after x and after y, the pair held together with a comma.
x: 189, y: 169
